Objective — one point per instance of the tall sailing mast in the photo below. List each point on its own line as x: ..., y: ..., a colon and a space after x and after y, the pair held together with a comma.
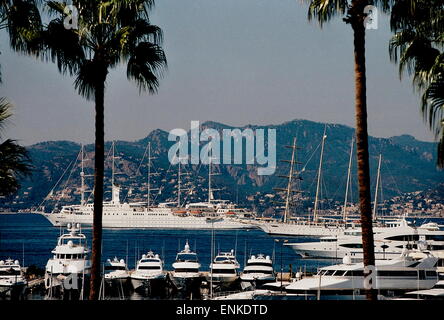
x: 316, y: 204
x: 179, y: 181
x: 112, y: 167
x: 290, y: 177
x: 82, y: 177
x: 344, y: 211
x: 378, y: 179
x: 210, y: 174
x: 149, y: 174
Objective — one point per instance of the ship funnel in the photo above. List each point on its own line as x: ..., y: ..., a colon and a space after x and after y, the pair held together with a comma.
x: 187, y: 247
x: 116, y: 195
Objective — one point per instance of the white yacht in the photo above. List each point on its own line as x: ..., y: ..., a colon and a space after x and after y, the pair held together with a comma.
x: 143, y: 215
x: 12, y: 280
x: 70, y: 265
x: 116, y: 271
x: 186, y: 267
x: 223, y: 269
x: 149, y: 272
x: 259, y: 269
x: 436, y: 293
x: 389, y: 243
x: 392, y: 277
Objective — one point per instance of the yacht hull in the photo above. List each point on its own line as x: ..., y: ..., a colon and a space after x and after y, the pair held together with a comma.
x: 303, y: 230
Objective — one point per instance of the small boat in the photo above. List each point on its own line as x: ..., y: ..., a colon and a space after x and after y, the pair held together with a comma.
x: 12, y: 281
x: 149, y: 273
x: 116, y: 271
x: 67, y: 271
x: 223, y: 269
x: 259, y: 269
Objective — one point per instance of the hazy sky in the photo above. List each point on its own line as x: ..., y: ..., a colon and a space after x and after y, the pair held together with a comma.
x: 232, y: 61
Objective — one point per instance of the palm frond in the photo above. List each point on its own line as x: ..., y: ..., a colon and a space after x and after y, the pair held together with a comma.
x: 325, y: 10
x: 5, y: 112
x: 146, y: 66
x: 14, y: 165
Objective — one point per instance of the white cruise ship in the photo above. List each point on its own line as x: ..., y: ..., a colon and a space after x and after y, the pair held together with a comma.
x: 141, y: 215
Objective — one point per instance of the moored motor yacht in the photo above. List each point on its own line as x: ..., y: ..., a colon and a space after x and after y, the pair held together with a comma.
x: 12, y: 280
x: 389, y: 242
x: 390, y: 278
x: 186, y: 267
x: 67, y: 271
x: 223, y: 269
x: 259, y: 269
x: 116, y: 271
x: 149, y: 272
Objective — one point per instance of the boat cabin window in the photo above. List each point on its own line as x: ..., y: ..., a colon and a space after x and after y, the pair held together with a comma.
x: 149, y: 260
x: 259, y: 271
x: 9, y: 272
x: 186, y: 257
x: 186, y: 270
x: 436, y: 237
x: 396, y: 273
x: 75, y: 242
x: 413, y: 237
x: 260, y: 264
x: 329, y: 272
x: 148, y: 267
x: 221, y: 259
x: 224, y: 271
x: 112, y: 268
x: 351, y: 245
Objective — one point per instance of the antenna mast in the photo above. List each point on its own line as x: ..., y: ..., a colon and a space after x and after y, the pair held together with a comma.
x: 315, y: 210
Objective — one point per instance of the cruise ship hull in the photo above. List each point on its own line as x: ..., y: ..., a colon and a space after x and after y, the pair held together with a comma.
x: 148, y: 221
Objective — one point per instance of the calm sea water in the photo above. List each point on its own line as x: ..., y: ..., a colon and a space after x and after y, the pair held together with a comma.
x: 32, y: 237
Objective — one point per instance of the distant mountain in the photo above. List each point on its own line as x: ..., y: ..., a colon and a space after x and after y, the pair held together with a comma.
x: 408, y: 165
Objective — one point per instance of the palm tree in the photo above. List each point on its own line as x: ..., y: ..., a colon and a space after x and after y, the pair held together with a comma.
x: 14, y: 160
x: 354, y: 15
x: 417, y: 47
x: 109, y: 32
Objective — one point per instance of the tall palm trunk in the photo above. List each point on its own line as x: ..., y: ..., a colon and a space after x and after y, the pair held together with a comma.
x: 99, y: 159
x: 362, y: 148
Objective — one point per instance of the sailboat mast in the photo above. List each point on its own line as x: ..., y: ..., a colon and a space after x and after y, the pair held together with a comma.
x: 82, y: 178
x: 315, y: 210
x: 209, y: 175
x: 178, y: 184
x: 112, y: 167
x: 290, y: 178
x: 149, y: 177
x: 344, y: 212
x: 378, y: 178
